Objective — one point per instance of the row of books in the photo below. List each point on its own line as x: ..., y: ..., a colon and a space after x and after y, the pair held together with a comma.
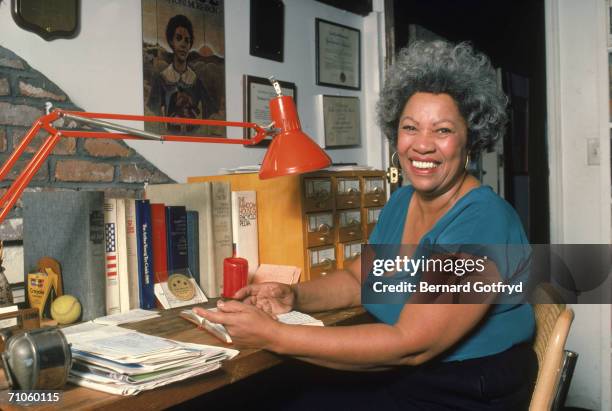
x: 70, y: 227
x: 177, y: 226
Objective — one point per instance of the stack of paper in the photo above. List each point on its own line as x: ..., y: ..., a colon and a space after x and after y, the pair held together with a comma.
x: 131, y: 316
x: 121, y: 361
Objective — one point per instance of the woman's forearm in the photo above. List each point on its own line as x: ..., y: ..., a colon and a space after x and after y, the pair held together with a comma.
x: 359, y: 347
x: 337, y: 290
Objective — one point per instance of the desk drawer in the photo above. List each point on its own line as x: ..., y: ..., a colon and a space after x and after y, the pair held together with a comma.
x: 349, y: 225
x: 348, y: 193
x: 318, y: 195
x: 370, y: 217
x: 374, y: 191
x: 322, y: 261
x: 320, y: 229
x: 348, y: 252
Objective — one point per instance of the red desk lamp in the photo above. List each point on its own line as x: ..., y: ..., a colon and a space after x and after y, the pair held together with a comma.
x: 290, y: 152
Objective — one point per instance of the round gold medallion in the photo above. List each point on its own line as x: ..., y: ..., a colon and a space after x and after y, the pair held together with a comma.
x: 181, y: 286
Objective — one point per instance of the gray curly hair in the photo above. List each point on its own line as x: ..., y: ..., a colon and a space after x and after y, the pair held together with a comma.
x: 457, y: 70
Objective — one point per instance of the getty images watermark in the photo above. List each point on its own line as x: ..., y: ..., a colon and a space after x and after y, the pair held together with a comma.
x: 492, y: 274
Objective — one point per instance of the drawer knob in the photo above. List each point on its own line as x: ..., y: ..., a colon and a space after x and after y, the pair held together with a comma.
x: 376, y: 200
x: 323, y: 228
x: 327, y: 262
x: 324, y: 273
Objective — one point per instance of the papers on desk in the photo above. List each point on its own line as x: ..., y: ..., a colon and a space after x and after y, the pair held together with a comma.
x: 121, y: 361
x: 131, y: 316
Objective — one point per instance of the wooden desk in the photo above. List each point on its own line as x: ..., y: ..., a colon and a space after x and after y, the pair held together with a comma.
x: 170, y: 325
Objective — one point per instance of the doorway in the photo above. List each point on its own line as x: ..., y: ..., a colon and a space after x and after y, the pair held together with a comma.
x: 512, y: 34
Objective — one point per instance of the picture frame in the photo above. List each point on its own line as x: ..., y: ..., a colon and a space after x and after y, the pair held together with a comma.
x: 267, y: 40
x: 49, y: 20
x: 338, y: 55
x: 341, y: 121
x: 257, y: 92
x: 184, y: 83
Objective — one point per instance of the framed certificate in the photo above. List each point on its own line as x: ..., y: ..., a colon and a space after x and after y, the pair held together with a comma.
x: 338, y: 55
x: 341, y: 121
x: 257, y: 94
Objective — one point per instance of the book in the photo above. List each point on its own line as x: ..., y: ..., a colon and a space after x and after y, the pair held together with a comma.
x: 193, y: 252
x: 69, y: 226
x: 132, y: 253
x: 111, y: 263
x: 122, y: 256
x: 176, y: 229
x: 222, y: 227
x: 244, y: 227
x: 159, y: 241
x: 196, y: 197
x: 219, y: 331
x: 145, y: 257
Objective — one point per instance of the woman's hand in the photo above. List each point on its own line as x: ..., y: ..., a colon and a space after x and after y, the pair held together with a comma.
x: 246, y: 324
x: 273, y: 298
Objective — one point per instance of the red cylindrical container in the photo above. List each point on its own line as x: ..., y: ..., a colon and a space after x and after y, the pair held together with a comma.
x: 235, y: 275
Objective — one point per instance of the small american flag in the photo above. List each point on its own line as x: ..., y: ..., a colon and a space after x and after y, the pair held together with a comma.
x: 111, y: 257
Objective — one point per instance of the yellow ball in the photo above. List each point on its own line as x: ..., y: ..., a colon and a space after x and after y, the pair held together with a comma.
x: 66, y: 309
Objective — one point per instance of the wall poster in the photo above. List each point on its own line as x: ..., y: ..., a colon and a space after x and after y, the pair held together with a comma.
x: 183, y: 50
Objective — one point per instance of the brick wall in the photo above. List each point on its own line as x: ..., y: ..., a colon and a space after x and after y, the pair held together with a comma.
x: 74, y: 164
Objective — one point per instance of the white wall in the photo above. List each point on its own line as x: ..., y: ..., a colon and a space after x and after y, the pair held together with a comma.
x: 101, y: 70
x: 577, y: 72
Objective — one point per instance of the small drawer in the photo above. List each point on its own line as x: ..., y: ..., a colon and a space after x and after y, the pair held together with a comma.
x: 349, y: 225
x: 348, y: 193
x: 371, y: 218
x: 374, y: 192
x: 320, y: 229
x: 348, y: 252
x: 322, y: 261
x: 318, y: 194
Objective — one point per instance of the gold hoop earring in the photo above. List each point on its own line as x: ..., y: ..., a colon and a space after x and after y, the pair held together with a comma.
x: 395, y: 160
x: 393, y: 170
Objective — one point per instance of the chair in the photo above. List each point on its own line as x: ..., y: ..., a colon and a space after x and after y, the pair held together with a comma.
x: 553, y: 323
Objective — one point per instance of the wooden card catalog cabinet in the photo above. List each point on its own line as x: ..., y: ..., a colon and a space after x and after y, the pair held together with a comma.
x: 348, y: 198
x: 310, y: 220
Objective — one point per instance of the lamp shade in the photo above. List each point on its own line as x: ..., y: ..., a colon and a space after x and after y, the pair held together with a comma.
x: 291, y: 150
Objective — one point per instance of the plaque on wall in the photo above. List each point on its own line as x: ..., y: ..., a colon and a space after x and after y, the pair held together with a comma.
x: 50, y: 19
x: 341, y: 121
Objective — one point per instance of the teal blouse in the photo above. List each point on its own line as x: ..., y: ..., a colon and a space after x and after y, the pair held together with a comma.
x: 479, y: 217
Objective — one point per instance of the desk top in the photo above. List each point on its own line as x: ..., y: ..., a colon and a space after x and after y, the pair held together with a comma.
x: 170, y: 325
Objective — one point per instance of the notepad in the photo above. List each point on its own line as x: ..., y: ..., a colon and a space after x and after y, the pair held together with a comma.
x: 219, y: 331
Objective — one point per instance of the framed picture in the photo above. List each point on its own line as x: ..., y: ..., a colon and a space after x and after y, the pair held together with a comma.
x: 338, y: 55
x: 183, y: 48
x: 341, y: 121
x: 49, y: 19
x: 257, y: 93
x: 267, y: 40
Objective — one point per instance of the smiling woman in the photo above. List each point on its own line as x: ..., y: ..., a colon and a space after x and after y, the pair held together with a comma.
x: 440, y: 103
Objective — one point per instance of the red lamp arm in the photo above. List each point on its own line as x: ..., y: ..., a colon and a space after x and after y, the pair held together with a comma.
x: 14, y: 191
